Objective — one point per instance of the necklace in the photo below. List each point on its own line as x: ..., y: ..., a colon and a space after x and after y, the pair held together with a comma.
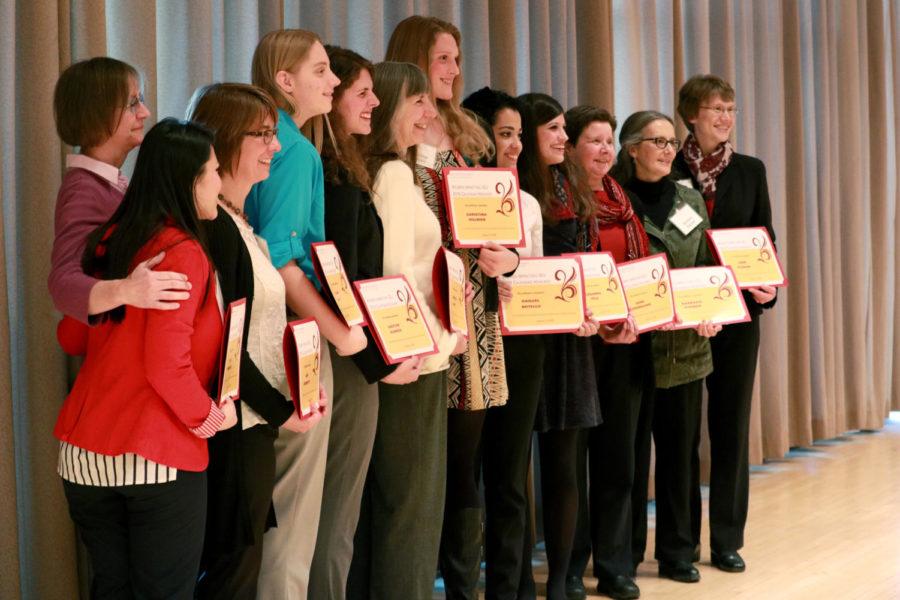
x: 234, y: 209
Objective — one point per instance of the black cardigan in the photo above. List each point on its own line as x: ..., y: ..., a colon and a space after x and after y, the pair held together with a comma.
x: 352, y: 223
x: 742, y: 200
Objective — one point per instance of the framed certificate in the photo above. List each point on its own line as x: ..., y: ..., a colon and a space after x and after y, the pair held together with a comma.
x: 750, y: 254
x: 548, y: 297
x: 648, y: 290
x: 302, y: 360
x: 707, y: 294
x: 330, y: 270
x: 483, y: 205
x: 230, y: 361
x: 449, y: 281
x: 395, y: 318
x: 603, y: 292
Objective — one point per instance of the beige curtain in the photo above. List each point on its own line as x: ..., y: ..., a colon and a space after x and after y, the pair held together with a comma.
x: 818, y: 84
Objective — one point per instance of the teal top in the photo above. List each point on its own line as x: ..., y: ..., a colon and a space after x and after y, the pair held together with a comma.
x: 288, y: 208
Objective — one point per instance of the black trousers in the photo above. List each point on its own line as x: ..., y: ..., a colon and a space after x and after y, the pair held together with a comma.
x: 730, y: 386
x: 640, y: 489
x: 506, y: 452
x: 144, y: 541
x: 676, y: 432
x: 625, y: 376
x: 234, y: 574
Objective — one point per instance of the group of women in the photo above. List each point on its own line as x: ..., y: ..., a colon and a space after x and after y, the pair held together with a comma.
x: 178, y: 495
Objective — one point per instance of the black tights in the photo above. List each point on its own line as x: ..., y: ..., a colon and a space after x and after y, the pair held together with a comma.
x: 559, y: 490
x: 463, y: 466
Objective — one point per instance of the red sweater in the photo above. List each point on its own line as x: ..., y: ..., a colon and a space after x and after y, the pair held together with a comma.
x: 144, y: 383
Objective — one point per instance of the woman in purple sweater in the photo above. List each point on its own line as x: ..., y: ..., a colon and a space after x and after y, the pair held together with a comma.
x: 99, y: 108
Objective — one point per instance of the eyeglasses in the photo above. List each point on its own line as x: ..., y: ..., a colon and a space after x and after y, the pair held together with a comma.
x: 265, y: 134
x: 135, y: 103
x: 661, y: 143
x: 721, y: 110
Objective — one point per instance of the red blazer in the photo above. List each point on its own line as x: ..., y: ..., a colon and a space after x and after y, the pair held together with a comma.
x: 144, y: 383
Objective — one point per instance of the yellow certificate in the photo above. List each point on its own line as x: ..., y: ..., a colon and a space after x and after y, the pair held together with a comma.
x: 483, y: 205
x: 395, y: 317
x: 302, y: 352
x: 603, y: 292
x: 707, y: 294
x: 449, y: 282
x: 648, y: 290
x: 230, y: 371
x: 548, y: 297
x: 750, y: 254
x: 331, y: 273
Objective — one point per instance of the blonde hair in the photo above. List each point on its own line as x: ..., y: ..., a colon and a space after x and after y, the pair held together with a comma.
x: 411, y: 41
x: 283, y: 50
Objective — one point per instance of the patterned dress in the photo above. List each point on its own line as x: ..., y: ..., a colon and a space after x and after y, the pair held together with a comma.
x: 477, y: 377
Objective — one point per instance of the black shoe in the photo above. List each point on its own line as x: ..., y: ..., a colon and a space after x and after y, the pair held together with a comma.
x: 575, y: 588
x: 730, y: 562
x: 679, y: 570
x: 619, y: 587
x: 696, y: 556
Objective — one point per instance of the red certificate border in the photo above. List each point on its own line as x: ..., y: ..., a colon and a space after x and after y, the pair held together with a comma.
x: 712, y: 244
x: 502, y: 314
x: 577, y: 256
x: 374, y: 328
x: 292, y: 365
x: 668, y: 279
x: 226, y: 326
x: 746, y: 316
x: 447, y: 171
x: 320, y: 273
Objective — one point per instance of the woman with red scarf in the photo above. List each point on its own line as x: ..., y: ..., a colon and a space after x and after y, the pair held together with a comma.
x: 737, y: 195
x: 624, y: 372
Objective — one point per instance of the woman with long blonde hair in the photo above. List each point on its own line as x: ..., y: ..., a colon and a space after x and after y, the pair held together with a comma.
x: 477, y: 377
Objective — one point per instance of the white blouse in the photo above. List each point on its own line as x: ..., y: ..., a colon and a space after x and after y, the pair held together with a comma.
x: 534, y: 226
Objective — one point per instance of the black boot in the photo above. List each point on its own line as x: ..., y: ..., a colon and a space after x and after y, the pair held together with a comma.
x: 460, y: 558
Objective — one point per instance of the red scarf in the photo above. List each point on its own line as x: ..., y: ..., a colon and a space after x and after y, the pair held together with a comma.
x: 706, y: 169
x: 614, y: 207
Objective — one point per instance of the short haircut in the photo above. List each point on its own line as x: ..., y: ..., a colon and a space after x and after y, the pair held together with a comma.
x: 89, y: 99
x: 578, y: 118
x: 697, y: 90
x: 230, y: 110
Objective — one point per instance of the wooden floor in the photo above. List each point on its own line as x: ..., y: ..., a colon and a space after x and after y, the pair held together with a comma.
x: 824, y: 523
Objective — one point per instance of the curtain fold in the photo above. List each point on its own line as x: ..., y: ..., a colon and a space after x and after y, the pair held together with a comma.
x: 818, y: 86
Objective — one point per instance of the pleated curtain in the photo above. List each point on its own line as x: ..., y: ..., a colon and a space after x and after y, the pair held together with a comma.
x: 818, y: 88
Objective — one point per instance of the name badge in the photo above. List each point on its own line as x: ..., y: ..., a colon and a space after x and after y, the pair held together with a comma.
x: 685, y: 219
x: 426, y: 155
x: 686, y: 183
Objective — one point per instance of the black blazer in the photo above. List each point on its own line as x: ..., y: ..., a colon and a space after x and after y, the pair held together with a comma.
x: 742, y: 200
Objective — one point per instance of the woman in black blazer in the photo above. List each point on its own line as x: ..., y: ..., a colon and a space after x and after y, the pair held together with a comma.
x: 737, y: 195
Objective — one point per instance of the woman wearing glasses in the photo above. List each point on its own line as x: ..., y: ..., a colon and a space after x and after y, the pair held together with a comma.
x: 681, y: 359
x: 99, y: 108
x: 736, y: 194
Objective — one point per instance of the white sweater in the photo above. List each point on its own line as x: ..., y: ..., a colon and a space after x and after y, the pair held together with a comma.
x: 412, y: 237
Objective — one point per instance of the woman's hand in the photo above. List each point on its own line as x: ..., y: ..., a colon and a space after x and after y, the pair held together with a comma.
x: 620, y: 333
x: 707, y: 329
x: 354, y: 341
x: 160, y: 290
x: 302, y: 425
x: 461, y: 342
x: 504, y: 290
x: 406, y: 372
x: 470, y: 292
x: 495, y: 260
x: 763, y: 293
x: 227, y: 407
x: 589, y: 326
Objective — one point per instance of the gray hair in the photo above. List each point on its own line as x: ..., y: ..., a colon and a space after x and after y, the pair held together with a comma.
x: 630, y: 136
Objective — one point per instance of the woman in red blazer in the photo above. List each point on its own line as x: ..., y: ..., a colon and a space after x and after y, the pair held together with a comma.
x: 133, y: 429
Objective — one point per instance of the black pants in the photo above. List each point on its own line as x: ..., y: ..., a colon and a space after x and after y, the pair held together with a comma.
x: 505, y: 458
x: 144, y: 541
x: 234, y: 574
x: 676, y: 432
x: 730, y: 386
x: 605, y: 523
x: 640, y: 490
